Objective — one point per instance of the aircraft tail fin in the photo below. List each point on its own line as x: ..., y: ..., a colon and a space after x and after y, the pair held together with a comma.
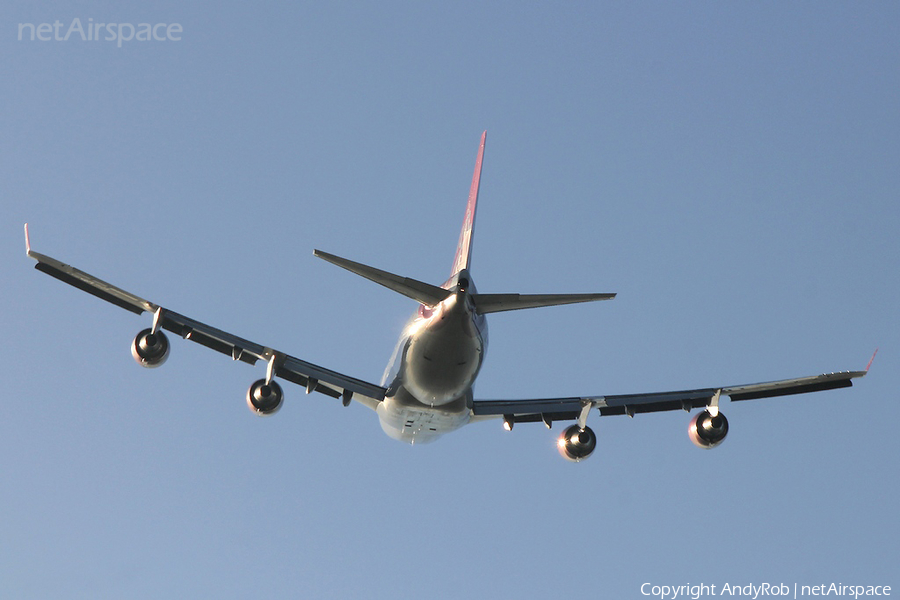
x: 464, y: 247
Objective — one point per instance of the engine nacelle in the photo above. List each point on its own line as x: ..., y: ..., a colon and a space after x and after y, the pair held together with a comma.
x: 263, y: 398
x: 707, y: 431
x: 576, y: 444
x: 150, y: 349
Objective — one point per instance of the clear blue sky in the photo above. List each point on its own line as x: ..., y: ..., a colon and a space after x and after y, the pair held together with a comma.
x: 731, y: 170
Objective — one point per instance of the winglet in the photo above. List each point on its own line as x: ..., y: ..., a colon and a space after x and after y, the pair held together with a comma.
x: 871, y: 359
x: 27, y: 241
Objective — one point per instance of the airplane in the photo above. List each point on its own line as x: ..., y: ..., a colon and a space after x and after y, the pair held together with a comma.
x: 427, y: 390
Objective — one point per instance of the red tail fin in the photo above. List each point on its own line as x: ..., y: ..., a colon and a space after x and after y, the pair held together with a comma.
x: 464, y: 248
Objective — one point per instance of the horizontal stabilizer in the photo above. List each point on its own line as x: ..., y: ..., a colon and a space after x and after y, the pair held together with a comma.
x: 490, y: 303
x: 419, y: 291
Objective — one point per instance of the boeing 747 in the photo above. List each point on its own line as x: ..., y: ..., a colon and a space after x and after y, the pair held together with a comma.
x: 427, y: 390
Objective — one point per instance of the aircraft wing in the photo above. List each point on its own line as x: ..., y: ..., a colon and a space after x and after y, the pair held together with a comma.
x: 575, y: 408
x: 289, y: 368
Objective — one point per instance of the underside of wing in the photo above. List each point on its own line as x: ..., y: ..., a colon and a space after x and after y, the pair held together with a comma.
x: 562, y: 409
x: 787, y: 387
x: 88, y: 283
x: 295, y: 370
x: 313, y: 377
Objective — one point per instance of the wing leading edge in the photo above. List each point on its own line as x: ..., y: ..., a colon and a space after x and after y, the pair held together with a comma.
x: 289, y: 368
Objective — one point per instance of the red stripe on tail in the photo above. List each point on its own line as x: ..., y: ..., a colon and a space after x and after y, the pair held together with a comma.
x: 464, y: 248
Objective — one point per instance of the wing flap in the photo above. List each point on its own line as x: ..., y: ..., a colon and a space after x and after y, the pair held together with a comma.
x: 548, y: 417
x: 321, y: 374
x: 629, y: 404
x: 290, y: 368
x: 90, y: 284
x: 527, y: 407
x: 214, y: 339
x: 788, y: 387
x: 295, y: 377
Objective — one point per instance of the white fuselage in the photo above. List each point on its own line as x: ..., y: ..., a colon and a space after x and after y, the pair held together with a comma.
x: 432, y: 372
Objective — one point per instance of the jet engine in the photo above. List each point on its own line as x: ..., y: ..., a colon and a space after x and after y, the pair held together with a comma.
x: 576, y: 444
x: 150, y: 349
x: 263, y: 398
x: 707, y: 431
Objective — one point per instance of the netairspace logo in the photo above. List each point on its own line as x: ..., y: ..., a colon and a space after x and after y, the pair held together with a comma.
x: 753, y: 592
x: 92, y: 32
